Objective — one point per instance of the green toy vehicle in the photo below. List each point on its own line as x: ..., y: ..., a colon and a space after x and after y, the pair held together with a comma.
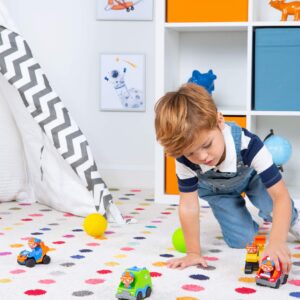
x: 135, y: 284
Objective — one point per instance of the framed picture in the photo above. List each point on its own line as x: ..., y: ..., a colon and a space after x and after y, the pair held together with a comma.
x: 134, y: 10
x: 122, y: 82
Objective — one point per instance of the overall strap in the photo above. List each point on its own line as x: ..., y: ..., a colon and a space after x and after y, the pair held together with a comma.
x: 236, y: 131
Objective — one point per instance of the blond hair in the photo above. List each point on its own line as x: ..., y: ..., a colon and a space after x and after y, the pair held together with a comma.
x: 181, y: 115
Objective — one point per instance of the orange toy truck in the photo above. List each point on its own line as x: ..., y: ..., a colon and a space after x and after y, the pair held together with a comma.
x: 37, y: 255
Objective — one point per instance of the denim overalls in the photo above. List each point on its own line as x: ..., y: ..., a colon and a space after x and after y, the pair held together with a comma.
x: 223, y: 192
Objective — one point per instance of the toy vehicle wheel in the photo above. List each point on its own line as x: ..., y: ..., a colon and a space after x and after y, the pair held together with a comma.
x: 277, y: 284
x: 30, y: 263
x: 46, y: 259
x: 285, y: 278
x: 255, y: 266
x: 139, y: 296
x: 248, y: 268
x: 132, y: 7
x: 148, y: 291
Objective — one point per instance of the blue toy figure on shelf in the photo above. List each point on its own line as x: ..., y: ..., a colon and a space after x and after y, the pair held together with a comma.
x: 204, y: 79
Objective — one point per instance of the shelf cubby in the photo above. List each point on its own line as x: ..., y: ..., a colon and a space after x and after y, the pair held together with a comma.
x: 227, y: 49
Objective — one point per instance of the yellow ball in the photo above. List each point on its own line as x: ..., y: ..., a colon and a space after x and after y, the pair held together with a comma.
x: 95, y: 225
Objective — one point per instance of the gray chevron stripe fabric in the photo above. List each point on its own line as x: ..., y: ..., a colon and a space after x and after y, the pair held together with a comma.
x: 21, y: 70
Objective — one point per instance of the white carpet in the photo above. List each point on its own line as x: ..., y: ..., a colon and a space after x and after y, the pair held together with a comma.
x: 86, y: 268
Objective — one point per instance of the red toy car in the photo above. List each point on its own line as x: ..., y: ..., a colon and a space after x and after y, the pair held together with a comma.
x: 267, y: 275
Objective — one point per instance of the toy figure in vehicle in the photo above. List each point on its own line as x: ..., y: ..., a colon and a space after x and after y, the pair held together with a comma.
x: 267, y: 274
x: 37, y: 255
x: 135, y: 284
x: 254, y: 252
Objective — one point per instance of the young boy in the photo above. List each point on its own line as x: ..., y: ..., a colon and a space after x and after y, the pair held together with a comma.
x: 217, y: 162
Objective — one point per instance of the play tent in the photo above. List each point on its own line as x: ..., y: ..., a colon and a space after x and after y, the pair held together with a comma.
x: 44, y: 156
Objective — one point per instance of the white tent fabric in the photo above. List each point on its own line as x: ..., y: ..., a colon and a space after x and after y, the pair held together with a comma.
x: 13, y: 184
x: 5, y: 19
x: 56, y: 166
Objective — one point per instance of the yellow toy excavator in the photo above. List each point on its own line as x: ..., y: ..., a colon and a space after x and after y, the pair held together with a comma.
x: 254, y: 252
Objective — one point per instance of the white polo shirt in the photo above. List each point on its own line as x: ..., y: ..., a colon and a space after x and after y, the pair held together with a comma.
x: 253, y: 152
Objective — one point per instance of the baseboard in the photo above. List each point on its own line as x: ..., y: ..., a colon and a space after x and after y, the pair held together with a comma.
x: 128, y: 177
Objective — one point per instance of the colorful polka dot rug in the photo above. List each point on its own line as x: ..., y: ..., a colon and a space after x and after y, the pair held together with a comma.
x: 84, y: 267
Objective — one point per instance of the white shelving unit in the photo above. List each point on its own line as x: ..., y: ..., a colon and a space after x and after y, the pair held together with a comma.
x: 226, y: 48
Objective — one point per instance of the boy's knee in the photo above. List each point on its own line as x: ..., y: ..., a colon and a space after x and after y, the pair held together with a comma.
x: 240, y: 242
x: 237, y: 244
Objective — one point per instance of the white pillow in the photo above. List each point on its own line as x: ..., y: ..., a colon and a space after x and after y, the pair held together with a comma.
x: 13, y: 179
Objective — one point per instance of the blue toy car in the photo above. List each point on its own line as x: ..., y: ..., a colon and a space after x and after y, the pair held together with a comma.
x: 36, y: 256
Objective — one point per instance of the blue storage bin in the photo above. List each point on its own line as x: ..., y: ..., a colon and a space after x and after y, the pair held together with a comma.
x: 277, y: 69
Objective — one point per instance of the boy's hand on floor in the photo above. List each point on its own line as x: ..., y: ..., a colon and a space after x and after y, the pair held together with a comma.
x: 191, y: 259
x: 279, y: 252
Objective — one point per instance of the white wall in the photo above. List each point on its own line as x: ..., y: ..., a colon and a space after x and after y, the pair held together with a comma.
x: 66, y: 40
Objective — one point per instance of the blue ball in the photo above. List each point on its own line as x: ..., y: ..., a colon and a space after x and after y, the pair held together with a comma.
x: 280, y: 149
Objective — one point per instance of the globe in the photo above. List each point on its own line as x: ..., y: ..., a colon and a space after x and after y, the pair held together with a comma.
x: 280, y: 149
